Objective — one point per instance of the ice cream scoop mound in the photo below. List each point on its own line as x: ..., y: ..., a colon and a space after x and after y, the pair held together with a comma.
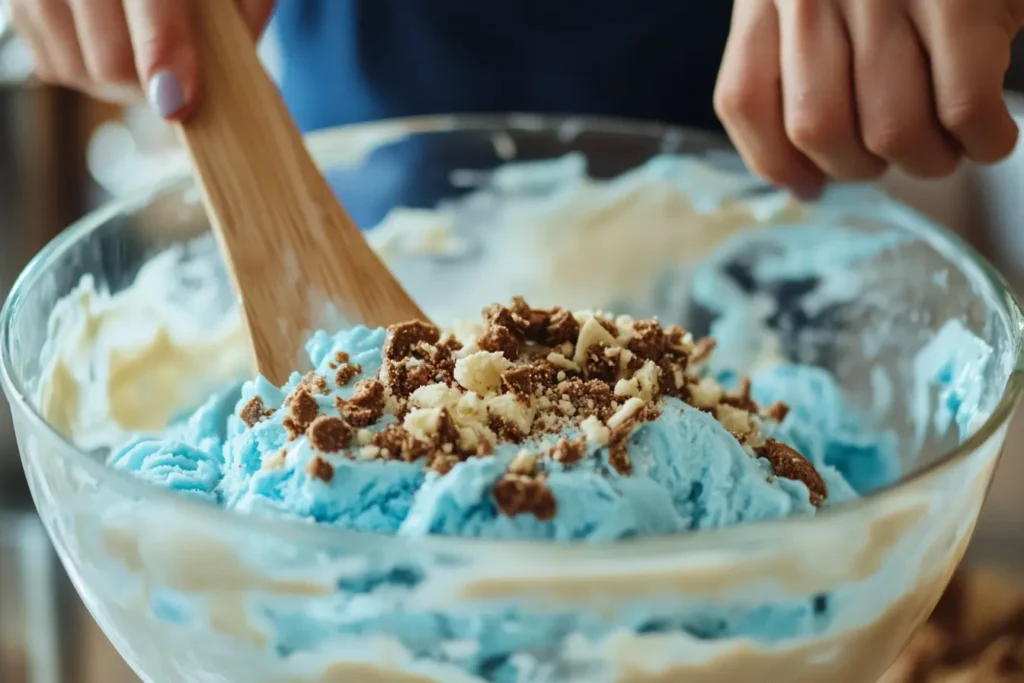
x: 532, y: 423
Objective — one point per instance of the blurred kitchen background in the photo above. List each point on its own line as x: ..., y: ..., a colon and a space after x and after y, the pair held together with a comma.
x: 62, y: 154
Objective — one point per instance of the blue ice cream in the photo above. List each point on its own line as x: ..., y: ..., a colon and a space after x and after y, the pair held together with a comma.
x: 601, y: 429
x: 626, y: 440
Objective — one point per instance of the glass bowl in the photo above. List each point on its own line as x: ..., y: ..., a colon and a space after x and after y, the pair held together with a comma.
x: 190, y: 592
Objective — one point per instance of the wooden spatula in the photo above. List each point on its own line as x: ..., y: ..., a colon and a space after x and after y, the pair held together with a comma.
x: 292, y: 248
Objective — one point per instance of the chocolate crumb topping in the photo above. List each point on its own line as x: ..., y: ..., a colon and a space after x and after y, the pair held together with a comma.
x: 346, y: 373
x: 517, y: 494
x: 318, y: 468
x: 302, y: 410
x: 777, y: 411
x: 313, y: 383
x: 648, y: 341
x: 618, y: 458
x: 329, y: 434
x: 403, y: 337
x: 703, y: 349
x: 498, y: 338
x: 561, y: 327
x: 741, y: 398
x: 789, y: 463
x: 569, y: 452
x: 254, y: 412
x: 601, y: 365
x: 529, y: 373
x: 497, y: 315
x: 526, y: 381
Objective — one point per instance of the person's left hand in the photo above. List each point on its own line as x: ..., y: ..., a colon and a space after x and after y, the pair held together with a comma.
x: 811, y: 89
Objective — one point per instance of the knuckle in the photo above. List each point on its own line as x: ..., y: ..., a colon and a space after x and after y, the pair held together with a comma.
x: 814, y: 129
x: 739, y: 98
x: 890, y: 138
x: 962, y: 114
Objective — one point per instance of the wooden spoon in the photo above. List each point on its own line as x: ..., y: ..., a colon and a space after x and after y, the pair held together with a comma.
x: 292, y: 249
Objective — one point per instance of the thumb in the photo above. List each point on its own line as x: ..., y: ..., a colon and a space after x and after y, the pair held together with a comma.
x: 165, y: 55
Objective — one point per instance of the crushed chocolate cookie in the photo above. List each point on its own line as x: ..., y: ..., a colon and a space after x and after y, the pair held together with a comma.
x: 703, y: 349
x: 368, y: 393
x: 497, y: 315
x: 403, y: 337
x: 392, y: 442
x: 591, y: 397
x: 598, y: 364
x: 346, y: 373
x: 609, y: 325
x: 789, y: 463
x: 302, y: 410
x: 648, y: 340
x: 443, y: 464
x: 318, y: 468
x: 741, y: 398
x: 504, y: 429
x: 526, y: 381
x: 254, y: 412
x: 340, y: 357
x: 329, y: 434
x: 499, y: 339
x: 569, y: 452
x: 534, y: 320
x: 561, y: 327
x: 777, y: 411
x: 517, y: 494
x: 313, y: 383
x: 618, y: 458
x: 408, y: 375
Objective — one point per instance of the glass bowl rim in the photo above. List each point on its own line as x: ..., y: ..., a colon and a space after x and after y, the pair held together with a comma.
x: 336, y: 143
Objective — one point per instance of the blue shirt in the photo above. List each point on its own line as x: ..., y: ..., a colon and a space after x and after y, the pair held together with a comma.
x: 356, y: 60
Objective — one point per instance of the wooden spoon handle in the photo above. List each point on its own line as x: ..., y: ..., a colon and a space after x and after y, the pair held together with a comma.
x: 290, y: 246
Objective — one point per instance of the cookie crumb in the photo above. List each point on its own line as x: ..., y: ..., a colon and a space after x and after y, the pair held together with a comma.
x: 329, y: 434
x: 789, y: 463
x: 346, y: 373
x: 318, y: 468
x: 569, y: 452
x: 302, y: 410
x: 254, y: 412
x: 517, y: 494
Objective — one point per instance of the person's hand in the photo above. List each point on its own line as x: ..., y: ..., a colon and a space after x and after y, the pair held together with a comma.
x: 117, y: 49
x: 810, y: 89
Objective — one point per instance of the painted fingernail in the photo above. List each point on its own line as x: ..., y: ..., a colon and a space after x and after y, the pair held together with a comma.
x: 166, y: 94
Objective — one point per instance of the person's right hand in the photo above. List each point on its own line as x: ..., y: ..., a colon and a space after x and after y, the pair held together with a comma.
x: 117, y: 49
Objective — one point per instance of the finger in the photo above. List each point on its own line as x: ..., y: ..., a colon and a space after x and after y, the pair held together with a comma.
x: 105, y: 44
x: 898, y: 121
x: 748, y: 100
x: 817, y: 87
x: 165, y: 56
x: 50, y: 29
x: 256, y: 14
x: 968, y: 46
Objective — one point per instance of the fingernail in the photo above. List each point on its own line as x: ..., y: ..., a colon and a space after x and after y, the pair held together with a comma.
x: 166, y: 94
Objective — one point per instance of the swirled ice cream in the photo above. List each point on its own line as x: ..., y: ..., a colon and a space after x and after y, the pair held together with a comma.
x: 568, y: 429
